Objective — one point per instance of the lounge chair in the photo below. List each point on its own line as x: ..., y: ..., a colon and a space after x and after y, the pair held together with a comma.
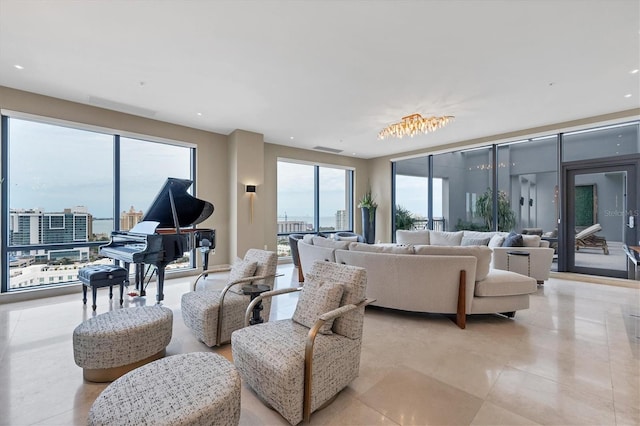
x: 587, y: 239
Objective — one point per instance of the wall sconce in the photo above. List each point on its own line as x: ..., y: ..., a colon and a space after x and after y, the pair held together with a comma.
x: 522, y: 201
x: 530, y: 202
x: 251, y: 190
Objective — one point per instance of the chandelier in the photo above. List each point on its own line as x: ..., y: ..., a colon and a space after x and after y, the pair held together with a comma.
x: 413, y: 124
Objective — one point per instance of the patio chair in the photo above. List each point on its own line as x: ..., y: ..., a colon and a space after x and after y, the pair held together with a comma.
x: 587, y: 239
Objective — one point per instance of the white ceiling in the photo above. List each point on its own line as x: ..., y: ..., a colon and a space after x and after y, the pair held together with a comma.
x: 330, y: 73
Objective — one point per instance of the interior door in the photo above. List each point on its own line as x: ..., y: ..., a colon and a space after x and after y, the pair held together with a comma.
x: 601, y: 216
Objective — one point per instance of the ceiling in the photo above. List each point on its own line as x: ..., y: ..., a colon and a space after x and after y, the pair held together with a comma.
x: 328, y: 73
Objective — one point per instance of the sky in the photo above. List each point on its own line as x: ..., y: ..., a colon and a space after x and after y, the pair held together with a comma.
x: 54, y: 168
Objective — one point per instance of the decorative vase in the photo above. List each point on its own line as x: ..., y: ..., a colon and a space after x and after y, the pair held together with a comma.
x: 369, y: 224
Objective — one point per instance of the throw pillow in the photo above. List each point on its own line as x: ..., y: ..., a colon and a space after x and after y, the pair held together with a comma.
x: 467, y: 241
x: 316, y: 298
x: 440, y: 238
x: 513, y: 240
x: 350, y: 239
x: 412, y: 237
x: 241, y: 269
x: 496, y: 241
x: 326, y: 242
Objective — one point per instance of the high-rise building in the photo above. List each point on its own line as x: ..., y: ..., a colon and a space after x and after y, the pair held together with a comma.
x: 37, y: 227
x: 342, y: 220
x: 130, y: 219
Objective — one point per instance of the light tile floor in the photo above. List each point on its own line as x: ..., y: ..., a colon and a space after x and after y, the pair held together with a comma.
x: 571, y: 359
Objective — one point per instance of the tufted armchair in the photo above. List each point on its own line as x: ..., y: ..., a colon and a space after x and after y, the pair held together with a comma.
x: 216, y: 307
x: 299, y: 365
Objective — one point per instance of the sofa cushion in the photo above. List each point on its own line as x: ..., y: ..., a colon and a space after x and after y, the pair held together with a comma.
x: 513, y: 240
x: 308, y: 238
x: 326, y: 242
x: 412, y: 237
x: 531, y: 240
x: 382, y: 248
x: 350, y: 239
x: 440, y: 238
x: 482, y: 254
x: 468, y: 241
x: 478, y: 234
x: 317, y: 297
x: 505, y: 283
x: 496, y: 241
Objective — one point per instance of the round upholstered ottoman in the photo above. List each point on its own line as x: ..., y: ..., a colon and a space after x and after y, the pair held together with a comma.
x: 198, y: 388
x: 111, y: 344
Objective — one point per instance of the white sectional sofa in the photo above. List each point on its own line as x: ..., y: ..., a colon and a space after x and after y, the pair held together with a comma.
x: 537, y: 264
x: 424, y: 278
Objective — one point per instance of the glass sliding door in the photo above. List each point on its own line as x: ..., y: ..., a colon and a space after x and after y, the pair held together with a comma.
x: 602, y: 215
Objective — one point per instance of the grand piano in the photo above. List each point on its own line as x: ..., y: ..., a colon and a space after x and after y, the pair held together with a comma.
x: 164, y: 235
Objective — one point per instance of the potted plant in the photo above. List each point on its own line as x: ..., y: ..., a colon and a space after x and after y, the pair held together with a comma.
x: 404, y: 218
x: 484, y: 210
x: 368, y: 206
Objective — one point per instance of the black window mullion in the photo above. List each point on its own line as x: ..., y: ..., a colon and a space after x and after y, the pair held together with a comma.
x: 116, y: 182
x: 316, y: 198
x: 4, y: 200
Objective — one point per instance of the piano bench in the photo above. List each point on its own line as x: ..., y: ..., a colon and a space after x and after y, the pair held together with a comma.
x: 115, y: 342
x: 96, y: 276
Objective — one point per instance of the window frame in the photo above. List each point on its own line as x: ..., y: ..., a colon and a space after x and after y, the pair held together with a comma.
x: 5, y: 245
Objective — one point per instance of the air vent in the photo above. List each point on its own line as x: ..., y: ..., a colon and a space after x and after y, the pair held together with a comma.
x: 326, y: 149
x: 118, y: 106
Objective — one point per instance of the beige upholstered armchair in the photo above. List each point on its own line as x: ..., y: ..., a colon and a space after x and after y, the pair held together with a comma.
x: 299, y: 365
x: 215, y: 308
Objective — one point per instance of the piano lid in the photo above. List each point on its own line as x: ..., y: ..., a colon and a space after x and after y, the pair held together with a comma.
x: 189, y: 209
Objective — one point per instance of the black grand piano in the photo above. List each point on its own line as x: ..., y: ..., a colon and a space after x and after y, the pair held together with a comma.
x: 165, y: 234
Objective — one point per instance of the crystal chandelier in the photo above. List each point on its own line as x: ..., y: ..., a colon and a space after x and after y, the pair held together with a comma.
x: 413, y: 124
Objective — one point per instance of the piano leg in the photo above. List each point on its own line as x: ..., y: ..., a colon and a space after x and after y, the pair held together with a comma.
x: 140, y: 279
x: 160, y: 294
x: 205, y: 258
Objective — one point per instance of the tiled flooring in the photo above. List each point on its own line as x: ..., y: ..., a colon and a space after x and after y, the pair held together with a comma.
x: 572, y: 358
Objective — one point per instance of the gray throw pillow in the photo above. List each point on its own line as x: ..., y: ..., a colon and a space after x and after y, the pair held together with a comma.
x: 466, y: 241
x: 513, y: 240
x: 316, y: 298
x: 241, y: 269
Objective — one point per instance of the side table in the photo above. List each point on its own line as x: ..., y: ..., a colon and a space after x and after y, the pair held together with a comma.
x: 522, y: 254
x: 254, y: 291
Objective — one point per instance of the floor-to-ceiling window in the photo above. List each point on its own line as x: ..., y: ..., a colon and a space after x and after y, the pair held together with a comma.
x: 599, y: 189
x: 466, y: 181
x: 600, y: 170
x: 312, y: 198
x: 59, y: 203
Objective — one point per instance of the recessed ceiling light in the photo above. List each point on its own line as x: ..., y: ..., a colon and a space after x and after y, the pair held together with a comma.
x: 628, y: 95
x: 199, y: 114
x: 634, y: 71
x: 20, y: 67
x: 291, y: 137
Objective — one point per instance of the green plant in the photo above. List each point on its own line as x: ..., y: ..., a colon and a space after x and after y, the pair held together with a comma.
x: 484, y: 210
x: 404, y: 218
x: 367, y: 202
x: 470, y: 226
